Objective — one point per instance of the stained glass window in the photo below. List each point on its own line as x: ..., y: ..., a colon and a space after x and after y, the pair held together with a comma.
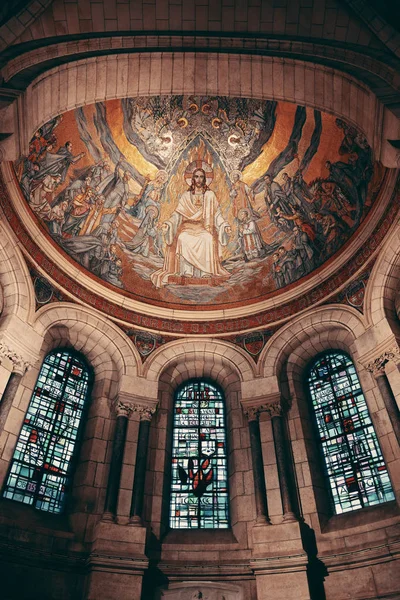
x: 199, y: 491
x: 41, y: 467
x: 353, y: 459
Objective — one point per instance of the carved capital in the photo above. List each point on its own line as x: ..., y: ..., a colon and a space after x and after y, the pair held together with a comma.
x: 274, y: 408
x: 377, y: 366
x: 252, y: 413
x: 20, y: 365
x: 146, y: 412
x: 122, y: 409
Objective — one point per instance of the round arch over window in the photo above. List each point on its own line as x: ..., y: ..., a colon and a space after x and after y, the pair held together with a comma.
x: 353, y: 460
x: 40, y: 472
x: 199, y: 489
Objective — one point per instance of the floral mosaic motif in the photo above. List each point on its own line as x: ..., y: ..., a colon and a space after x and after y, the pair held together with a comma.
x: 199, y: 200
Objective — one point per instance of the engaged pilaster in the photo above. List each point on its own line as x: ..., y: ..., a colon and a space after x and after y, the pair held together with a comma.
x: 123, y: 411
x: 260, y: 492
x: 276, y: 412
x: 136, y: 512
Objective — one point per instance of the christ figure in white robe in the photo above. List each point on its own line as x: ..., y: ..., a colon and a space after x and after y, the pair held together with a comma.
x: 194, y: 235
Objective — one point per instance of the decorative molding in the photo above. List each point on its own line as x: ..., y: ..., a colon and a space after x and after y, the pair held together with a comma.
x: 20, y: 365
x: 377, y: 366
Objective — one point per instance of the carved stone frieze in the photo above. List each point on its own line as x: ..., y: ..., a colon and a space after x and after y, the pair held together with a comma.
x: 377, y: 366
x: 20, y: 365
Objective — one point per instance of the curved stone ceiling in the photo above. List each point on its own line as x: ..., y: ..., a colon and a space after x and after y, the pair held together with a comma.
x: 199, y: 202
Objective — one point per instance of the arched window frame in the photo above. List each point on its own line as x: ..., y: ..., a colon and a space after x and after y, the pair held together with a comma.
x: 65, y: 494
x: 222, y: 526
x: 353, y: 480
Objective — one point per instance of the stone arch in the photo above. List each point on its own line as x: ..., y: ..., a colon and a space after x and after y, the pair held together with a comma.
x: 383, y: 289
x: 18, y: 299
x: 114, y: 359
x: 309, y: 334
x: 196, y: 352
x: 228, y: 367
x: 102, y: 342
x: 285, y: 361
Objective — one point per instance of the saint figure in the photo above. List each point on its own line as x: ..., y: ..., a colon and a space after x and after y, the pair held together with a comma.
x: 194, y: 235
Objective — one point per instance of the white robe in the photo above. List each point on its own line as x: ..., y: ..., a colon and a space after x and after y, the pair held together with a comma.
x: 195, y: 233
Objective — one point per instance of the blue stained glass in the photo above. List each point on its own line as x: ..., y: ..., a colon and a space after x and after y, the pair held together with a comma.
x: 353, y: 460
x: 199, y: 488
x: 40, y: 471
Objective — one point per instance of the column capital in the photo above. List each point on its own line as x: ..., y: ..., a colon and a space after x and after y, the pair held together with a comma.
x: 145, y: 412
x: 121, y: 408
x: 126, y: 408
x: 275, y: 406
x: 20, y: 365
x: 377, y: 366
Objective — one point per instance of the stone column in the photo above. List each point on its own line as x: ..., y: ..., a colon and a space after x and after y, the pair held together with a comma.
x: 20, y: 366
x: 282, y: 458
x: 260, y: 491
x: 377, y: 368
x: 136, y: 512
x: 123, y: 411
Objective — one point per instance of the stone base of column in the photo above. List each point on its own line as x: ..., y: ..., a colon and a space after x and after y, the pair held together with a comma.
x: 283, y: 580
x: 289, y: 517
x: 279, y: 562
x: 112, y: 538
x: 261, y: 521
x: 107, y: 516
x: 277, y: 540
x: 136, y: 521
x: 114, y: 577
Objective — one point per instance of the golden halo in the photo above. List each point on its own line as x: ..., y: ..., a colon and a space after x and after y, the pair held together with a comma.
x: 243, y: 211
x: 216, y: 123
x: 233, y: 140
x: 161, y: 174
x: 182, y: 122
x: 199, y: 164
x: 235, y: 172
x: 152, y: 209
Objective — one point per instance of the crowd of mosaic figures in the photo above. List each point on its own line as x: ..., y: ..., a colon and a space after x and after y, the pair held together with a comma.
x: 311, y: 220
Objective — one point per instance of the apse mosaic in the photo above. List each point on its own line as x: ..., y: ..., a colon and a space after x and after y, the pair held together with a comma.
x: 199, y: 200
